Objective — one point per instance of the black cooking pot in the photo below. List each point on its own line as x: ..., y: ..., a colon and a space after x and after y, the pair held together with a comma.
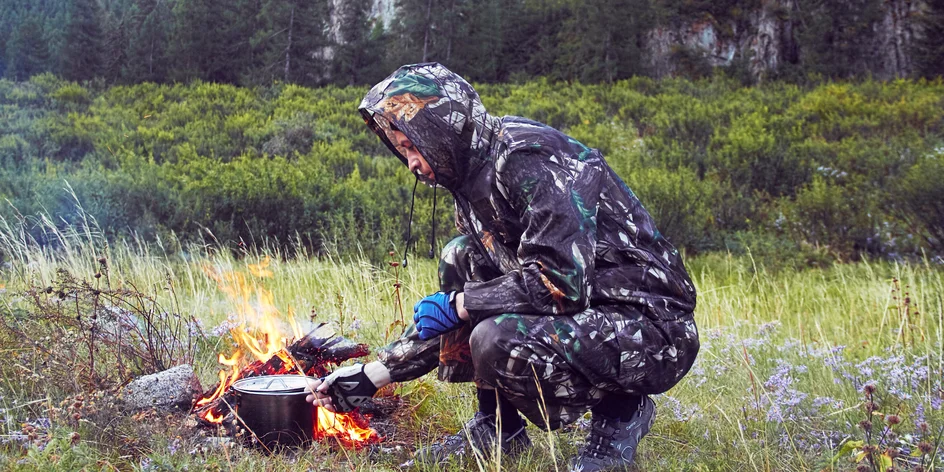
x: 273, y: 407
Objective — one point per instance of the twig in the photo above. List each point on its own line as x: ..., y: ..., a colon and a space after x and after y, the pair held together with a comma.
x: 238, y: 418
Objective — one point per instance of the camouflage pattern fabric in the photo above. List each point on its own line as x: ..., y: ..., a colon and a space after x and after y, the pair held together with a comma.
x: 552, y: 368
x: 554, y: 240
x: 410, y: 357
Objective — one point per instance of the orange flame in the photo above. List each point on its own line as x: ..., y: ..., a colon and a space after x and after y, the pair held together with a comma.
x: 260, y: 334
x: 225, y: 382
x: 350, y: 430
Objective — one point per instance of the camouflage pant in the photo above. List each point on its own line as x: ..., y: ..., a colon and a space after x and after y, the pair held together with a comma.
x: 552, y: 368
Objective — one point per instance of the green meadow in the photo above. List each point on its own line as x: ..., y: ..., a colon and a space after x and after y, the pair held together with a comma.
x: 812, y: 219
x: 779, y: 383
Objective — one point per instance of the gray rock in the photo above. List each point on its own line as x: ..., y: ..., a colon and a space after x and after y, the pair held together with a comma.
x: 173, y: 388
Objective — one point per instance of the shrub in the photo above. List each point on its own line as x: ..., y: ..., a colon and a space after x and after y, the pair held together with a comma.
x: 679, y: 201
x: 839, y: 219
x: 919, y: 195
x: 71, y: 96
x: 840, y: 167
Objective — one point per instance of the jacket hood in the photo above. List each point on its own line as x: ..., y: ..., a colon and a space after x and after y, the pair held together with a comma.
x: 441, y: 114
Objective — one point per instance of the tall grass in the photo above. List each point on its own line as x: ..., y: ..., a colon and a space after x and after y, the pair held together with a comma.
x: 777, y: 386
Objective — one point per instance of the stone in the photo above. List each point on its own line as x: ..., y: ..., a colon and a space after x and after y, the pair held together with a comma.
x: 174, y: 388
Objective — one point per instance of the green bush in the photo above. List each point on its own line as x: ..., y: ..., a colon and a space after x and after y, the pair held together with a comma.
x: 841, y: 220
x: 680, y: 203
x: 71, y: 96
x: 839, y: 169
x: 920, y: 199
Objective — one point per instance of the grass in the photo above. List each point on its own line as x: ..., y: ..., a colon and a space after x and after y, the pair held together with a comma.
x: 778, y: 384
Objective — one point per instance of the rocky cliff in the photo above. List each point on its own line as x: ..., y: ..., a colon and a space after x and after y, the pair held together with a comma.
x: 764, y: 42
x: 767, y: 40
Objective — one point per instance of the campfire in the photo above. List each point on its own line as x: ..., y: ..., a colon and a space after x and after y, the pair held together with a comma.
x: 265, y: 350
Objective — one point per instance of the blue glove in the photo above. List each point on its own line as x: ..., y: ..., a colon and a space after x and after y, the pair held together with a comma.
x: 436, y: 315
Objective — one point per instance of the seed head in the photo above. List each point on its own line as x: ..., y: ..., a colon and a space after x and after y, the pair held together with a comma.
x: 391, y: 253
x: 862, y: 468
x: 893, y: 420
x: 869, y: 389
x: 892, y: 452
x: 866, y: 425
x: 924, y: 447
x: 923, y: 427
x: 918, y: 468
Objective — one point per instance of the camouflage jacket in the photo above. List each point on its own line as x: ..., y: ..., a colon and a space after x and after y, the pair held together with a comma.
x: 554, y: 219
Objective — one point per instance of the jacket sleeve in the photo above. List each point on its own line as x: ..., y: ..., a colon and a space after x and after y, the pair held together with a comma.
x: 410, y: 357
x: 556, y: 200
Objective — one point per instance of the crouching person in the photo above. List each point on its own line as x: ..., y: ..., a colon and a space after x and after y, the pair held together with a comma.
x: 559, y: 297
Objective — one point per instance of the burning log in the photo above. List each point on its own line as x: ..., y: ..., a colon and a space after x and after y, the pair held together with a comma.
x: 321, y: 346
x: 312, y: 354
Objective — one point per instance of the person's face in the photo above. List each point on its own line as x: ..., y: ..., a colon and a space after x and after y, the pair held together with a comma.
x: 417, y: 165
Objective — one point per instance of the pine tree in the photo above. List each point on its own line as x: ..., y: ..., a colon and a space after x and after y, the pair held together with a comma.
x: 415, y: 32
x: 598, y: 40
x: 115, y: 35
x: 80, y: 56
x: 476, y: 47
x: 835, y: 35
x: 241, y: 55
x: 27, y: 53
x: 531, y: 37
x: 929, y: 48
x: 360, y: 43
x: 6, y: 28
x: 151, y: 21
x: 291, y: 40
x: 195, y: 48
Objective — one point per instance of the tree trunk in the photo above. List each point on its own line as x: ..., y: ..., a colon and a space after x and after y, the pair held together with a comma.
x: 288, y: 47
x: 151, y: 60
x: 429, y: 12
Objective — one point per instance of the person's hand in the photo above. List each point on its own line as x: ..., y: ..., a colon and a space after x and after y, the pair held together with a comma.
x: 436, y: 315
x: 348, y: 387
x: 316, y: 397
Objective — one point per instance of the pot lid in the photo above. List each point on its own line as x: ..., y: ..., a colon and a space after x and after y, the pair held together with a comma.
x: 272, y: 384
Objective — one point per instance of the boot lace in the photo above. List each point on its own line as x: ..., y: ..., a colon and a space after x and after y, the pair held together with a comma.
x: 599, y: 443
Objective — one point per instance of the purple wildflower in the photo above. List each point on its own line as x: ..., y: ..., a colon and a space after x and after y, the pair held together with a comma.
x: 173, y: 446
x: 767, y: 328
x: 225, y: 327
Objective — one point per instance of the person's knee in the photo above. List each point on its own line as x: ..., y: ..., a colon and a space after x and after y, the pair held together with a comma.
x: 490, y: 348
x: 454, y: 267
x: 455, y: 250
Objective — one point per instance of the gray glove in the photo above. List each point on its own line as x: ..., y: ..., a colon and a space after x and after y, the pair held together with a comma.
x: 349, y: 387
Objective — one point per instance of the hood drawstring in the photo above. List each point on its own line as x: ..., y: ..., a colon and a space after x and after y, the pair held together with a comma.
x: 409, y: 225
x: 432, y: 235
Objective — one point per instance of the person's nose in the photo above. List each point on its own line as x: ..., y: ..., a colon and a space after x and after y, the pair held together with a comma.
x: 413, y: 164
